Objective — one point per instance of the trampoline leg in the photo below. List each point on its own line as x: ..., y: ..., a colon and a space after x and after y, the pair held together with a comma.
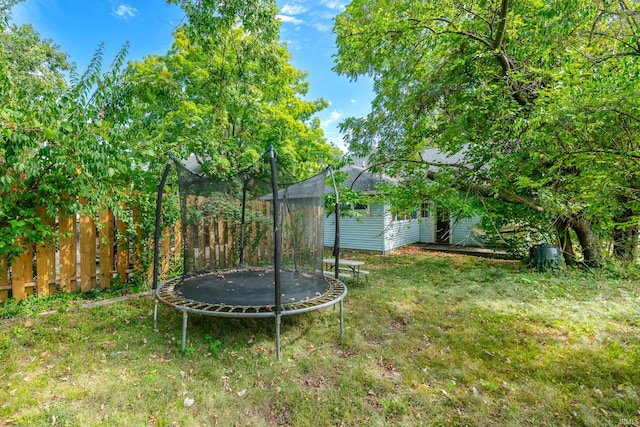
x: 278, y: 337
x: 341, y: 320
x: 155, y: 315
x: 184, y: 331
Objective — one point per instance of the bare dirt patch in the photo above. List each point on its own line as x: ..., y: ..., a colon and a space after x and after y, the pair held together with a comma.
x: 314, y: 382
x: 277, y: 413
x: 452, y: 252
x: 416, y: 250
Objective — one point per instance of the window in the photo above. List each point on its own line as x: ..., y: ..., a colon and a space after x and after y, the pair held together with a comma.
x: 404, y: 217
x: 354, y: 209
x: 360, y: 207
x: 426, y: 210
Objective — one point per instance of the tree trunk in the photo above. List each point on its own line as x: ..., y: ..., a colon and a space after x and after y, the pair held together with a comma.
x: 625, y: 243
x: 588, y: 241
x: 625, y: 236
x: 566, y: 245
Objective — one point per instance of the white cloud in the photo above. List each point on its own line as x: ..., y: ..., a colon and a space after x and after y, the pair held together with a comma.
x: 353, y: 101
x: 125, y: 11
x: 323, y: 27
x: 334, y: 116
x: 335, y: 139
x: 334, y: 4
x: 293, y: 9
x: 289, y: 19
x: 318, y: 18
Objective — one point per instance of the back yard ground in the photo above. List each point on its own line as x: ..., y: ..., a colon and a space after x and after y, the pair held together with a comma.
x: 431, y: 339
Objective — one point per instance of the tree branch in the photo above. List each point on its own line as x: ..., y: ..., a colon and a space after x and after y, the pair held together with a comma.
x: 620, y: 153
x: 490, y: 191
x: 457, y: 31
x: 477, y: 189
x: 502, y: 25
x: 477, y: 15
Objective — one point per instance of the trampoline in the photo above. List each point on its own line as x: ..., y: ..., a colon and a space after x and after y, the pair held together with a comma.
x: 250, y: 248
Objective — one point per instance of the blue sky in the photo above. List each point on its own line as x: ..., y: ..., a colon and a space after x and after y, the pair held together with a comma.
x: 79, y: 26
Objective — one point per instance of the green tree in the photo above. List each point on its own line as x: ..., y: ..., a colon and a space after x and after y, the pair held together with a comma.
x: 216, y: 18
x: 227, y: 98
x: 539, y: 96
x: 53, y: 149
x: 31, y: 83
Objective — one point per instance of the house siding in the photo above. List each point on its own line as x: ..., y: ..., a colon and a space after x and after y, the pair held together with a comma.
x: 460, y: 229
x: 374, y: 232
x: 427, y: 227
x: 462, y: 234
x: 377, y: 232
x: 362, y: 233
x: 399, y: 233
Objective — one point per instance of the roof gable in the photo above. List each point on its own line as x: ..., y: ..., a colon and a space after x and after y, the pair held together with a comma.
x: 360, y: 179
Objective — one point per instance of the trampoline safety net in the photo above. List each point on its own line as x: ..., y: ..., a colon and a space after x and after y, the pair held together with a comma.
x: 229, y: 223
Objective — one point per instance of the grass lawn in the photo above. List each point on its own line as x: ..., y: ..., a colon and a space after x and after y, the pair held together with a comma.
x: 432, y: 339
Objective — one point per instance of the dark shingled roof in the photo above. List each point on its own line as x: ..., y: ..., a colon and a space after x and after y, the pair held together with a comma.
x: 364, y: 181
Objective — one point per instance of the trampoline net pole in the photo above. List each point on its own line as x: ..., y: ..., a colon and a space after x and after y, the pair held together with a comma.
x: 158, y: 224
x: 276, y: 232
x: 155, y: 315
x: 184, y: 331
x: 278, y: 337
x: 243, y: 220
x: 276, y: 249
x: 341, y: 320
x: 336, y: 241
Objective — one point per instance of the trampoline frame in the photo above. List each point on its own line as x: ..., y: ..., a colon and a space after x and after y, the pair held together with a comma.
x: 166, y: 294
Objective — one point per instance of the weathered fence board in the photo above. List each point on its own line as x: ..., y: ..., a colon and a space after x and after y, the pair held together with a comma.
x: 228, y: 239
x: 106, y: 248
x: 22, y: 272
x: 137, y: 249
x: 253, y: 232
x: 45, y: 257
x: 68, y: 252
x: 165, y: 251
x: 177, y: 241
x: 122, y: 252
x: 4, y: 280
x: 88, y: 253
x: 214, y: 242
x: 202, y: 259
x: 222, y: 254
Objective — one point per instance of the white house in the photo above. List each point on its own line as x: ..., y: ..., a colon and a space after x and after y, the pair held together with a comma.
x: 378, y: 229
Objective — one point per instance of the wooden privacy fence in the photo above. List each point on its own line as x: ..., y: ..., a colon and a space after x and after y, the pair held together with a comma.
x: 83, y: 256
x: 212, y: 238
x: 89, y: 253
